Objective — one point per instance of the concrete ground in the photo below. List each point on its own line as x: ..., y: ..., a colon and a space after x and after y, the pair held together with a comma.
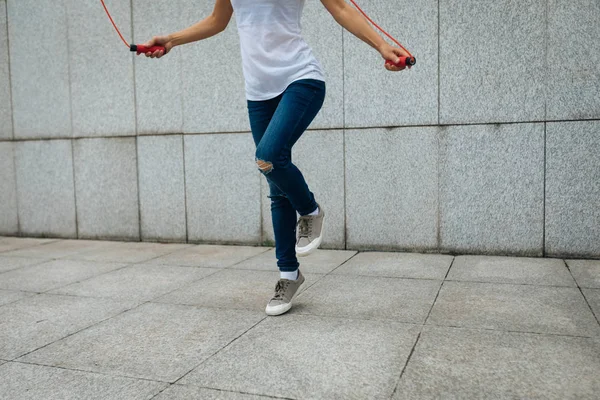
x: 119, y: 320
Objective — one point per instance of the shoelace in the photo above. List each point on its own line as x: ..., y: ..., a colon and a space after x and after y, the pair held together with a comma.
x: 280, y: 289
x: 305, y: 227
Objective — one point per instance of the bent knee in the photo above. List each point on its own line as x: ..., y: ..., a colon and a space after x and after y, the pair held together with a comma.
x: 264, y: 166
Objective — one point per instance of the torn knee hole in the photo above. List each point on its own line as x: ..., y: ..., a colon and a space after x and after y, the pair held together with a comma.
x: 264, y: 166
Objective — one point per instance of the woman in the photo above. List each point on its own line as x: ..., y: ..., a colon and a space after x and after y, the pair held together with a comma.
x: 285, y: 89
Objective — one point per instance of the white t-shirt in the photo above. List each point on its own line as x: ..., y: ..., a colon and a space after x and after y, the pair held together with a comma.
x: 274, y: 54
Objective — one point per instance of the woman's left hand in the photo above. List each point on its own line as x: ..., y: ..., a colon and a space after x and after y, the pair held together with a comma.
x: 392, y: 53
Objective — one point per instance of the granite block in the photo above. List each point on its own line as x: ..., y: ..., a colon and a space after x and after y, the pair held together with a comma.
x: 392, y: 189
x: 127, y: 252
x: 46, y: 190
x: 492, y: 189
x: 222, y: 188
x: 6, y: 127
x: 13, y: 243
x: 585, y: 272
x: 492, y: 61
x: 9, y: 223
x: 39, y: 65
x: 10, y: 296
x: 106, y: 188
x: 209, y: 256
x: 573, y: 189
x: 57, y: 249
x: 184, y: 392
x: 9, y: 263
x: 162, y: 188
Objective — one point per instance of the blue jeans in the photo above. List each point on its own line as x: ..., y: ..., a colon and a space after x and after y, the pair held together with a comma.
x: 276, y: 126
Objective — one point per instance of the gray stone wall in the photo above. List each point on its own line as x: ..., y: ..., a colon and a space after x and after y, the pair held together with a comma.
x: 491, y: 144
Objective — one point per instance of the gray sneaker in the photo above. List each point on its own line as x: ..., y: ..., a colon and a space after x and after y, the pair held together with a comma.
x: 285, y: 291
x: 309, y: 233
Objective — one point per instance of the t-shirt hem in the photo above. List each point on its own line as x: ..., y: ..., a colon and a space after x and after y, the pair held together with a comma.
x: 312, y: 75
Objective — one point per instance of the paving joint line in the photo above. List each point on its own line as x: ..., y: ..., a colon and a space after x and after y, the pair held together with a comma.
x: 582, y: 294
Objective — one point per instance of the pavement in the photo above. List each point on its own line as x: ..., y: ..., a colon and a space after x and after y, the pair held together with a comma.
x: 85, y: 319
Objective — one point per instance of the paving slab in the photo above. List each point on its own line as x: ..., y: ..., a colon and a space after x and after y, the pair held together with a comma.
x: 230, y: 288
x: 365, y: 297
x: 526, y: 308
x: 154, y: 341
x: 585, y: 272
x: 450, y: 363
x: 13, y: 243
x: 129, y: 252
x: 58, y: 249
x: 593, y: 298
x: 54, y: 274
x: 10, y: 263
x: 298, y: 356
x: 10, y: 296
x: 139, y: 282
x: 186, y: 392
x: 210, y: 256
x: 399, y: 265
x: 35, y: 382
x: 36, y: 321
x: 320, y: 262
x: 533, y: 271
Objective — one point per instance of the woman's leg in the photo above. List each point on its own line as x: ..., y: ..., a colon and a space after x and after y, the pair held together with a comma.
x: 297, y: 108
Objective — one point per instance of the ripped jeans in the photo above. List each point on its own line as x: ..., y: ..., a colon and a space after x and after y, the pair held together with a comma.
x: 276, y: 126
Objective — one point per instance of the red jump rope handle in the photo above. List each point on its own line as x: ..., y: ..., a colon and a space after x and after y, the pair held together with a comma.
x: 141, y: 49
x: 404, y: 62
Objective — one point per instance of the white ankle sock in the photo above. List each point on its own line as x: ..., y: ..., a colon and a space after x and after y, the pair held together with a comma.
x: 291, y: 275
x: 316, y: 212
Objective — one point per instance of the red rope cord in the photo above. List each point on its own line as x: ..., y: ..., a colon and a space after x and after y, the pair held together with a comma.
x: 113, y: 22
x: 377, y: 26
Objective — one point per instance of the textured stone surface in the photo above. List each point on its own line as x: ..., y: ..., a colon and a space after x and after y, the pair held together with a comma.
x: 331, y: 358
x: 320, y: 157
x: 399, y: 265
x: 6, y: 131
x: 232, y: 289
x: 162, y: 188
x: 573, y: 189
x: 492, y: 61
x: 533, y: 271
x: 185, y: 392
x: 13, y: 243
x: 324, y: 35
x: 492, y: 189
x: 593, y: 298
x: 536, y: 309
x: 392, y: 188
x: 53, y: 274
x: 35, y: 382
x: 36, y: 321
x: 46, y: 192
x: 213, y: 84
x: 320, y: 262
x: 101, y: 87
x: 468, y: 364
x: 10, y: 263
x: 128, y: 252
x: 585, y: 272
x: 223, y: 188
x: 573, y: 87
x: 106, y: 188
x: 138, y: 282
x: 405, y: 300
x: 158, y: 82
x: 377, y: 97
x: 10, y: 296
x: 8, y: 190
x: 40, y: 68
x: 153, y: 341
x: 57, y: 249
x: 209, y: 256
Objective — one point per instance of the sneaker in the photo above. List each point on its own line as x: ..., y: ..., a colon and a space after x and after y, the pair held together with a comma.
x: 285, y: 291
x: 309, y: 233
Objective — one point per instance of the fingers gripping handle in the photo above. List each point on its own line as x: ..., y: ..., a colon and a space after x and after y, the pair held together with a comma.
x: 404, y: 62
x: 141, y: 49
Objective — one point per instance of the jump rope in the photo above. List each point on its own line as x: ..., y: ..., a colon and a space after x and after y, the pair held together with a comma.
x: 402, y: 63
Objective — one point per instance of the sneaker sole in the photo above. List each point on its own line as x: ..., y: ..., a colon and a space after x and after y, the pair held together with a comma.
x: 311, y: 247
x: 282, y: 308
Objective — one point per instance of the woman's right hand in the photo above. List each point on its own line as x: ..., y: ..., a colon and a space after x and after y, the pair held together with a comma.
x: 164, y: 41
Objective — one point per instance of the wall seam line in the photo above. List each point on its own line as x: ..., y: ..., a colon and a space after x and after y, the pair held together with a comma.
x: 135, y: 123
x: 10, y: 88
x: 184, y: 189
x: 344, y: 139
x: 439, y: 87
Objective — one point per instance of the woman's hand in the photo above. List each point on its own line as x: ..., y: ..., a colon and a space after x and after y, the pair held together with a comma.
x: 164, y: 41
x: 392, y: 53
